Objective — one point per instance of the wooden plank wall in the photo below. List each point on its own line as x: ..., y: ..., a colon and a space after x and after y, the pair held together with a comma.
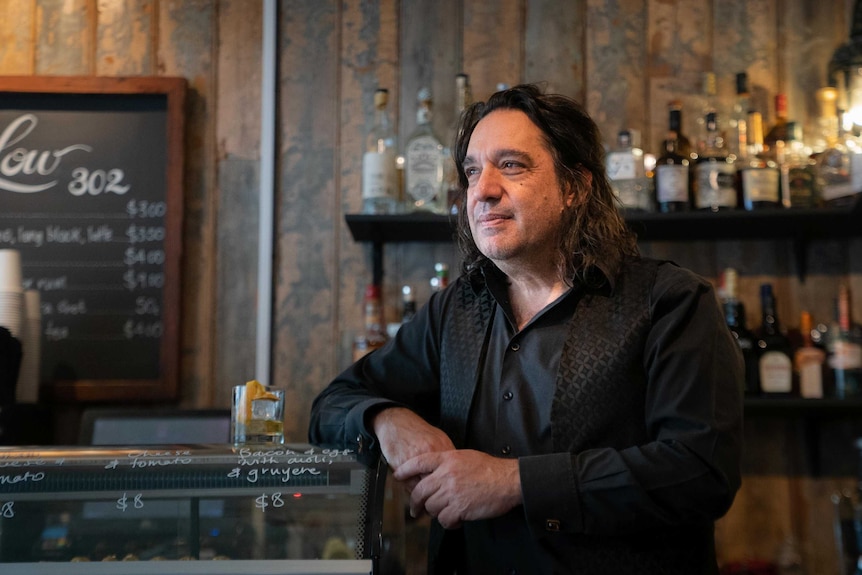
x: 624, y: 58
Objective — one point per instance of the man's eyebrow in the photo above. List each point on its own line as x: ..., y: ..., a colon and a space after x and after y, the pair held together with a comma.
x: 501, y: 153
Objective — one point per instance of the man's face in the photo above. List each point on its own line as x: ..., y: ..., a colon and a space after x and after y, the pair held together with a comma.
x: 514, y: 199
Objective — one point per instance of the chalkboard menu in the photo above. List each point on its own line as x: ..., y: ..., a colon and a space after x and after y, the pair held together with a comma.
x: 91, y: 196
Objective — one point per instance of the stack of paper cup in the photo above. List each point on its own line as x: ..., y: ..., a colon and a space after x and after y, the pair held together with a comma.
x: 27, y: 390
x: 11, y: 293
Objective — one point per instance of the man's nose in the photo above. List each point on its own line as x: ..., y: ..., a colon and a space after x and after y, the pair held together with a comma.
x: 488, y: 184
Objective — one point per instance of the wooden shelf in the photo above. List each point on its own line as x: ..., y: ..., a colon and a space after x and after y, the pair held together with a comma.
x: 803, y: 408
x: 802, y: 224
x: 798, y: 225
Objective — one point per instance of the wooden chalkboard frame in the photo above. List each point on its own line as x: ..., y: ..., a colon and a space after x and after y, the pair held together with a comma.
x: 166, y: 386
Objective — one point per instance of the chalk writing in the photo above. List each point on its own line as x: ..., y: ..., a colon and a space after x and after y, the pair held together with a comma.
x: 22, y: 477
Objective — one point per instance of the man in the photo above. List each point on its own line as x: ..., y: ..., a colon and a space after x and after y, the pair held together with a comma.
x: 565, y: 406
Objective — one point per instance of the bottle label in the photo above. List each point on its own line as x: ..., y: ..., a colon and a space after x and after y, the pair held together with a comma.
x: 856, y: 172
x: 378, y: 175
x: 845, y: 355
x: 760, y: 185
x: 716, y: 186
x: 671, y: 183
x: 776, y: 372
x: 621, y: 166
x: 424, y: 170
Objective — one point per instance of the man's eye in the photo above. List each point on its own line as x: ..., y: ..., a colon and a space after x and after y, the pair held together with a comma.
x: 470, y: 172
x: 511, y: 165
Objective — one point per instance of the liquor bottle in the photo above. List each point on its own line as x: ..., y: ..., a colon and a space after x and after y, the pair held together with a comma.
x: 462, y: 100
x: 758, y: 175
x: 672, y: 167
x: 379, y: 179
x: 734, y: 316
x: 715, y: 174
x: 738, y: 140
x: 408, y: 303
x: 774, y: 356
x: 708, y: 99
x: 833, y: 162
x: 798, y: 175
x: 441, y: 277
x: 845, y: 349
x: 408, y: 310
x: 778, y: 131
x: 808, y: 361
x: 374, y: 334
x: 625, y: 168
x: 424, y: 161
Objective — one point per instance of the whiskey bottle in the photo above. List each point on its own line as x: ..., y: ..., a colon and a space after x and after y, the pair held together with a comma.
x: 758, y: 175
x: 715, y: 174
x: 379, y: 179
x: 734, y: 316
x: 672, y: 167
x: 424, y: 161
x: 778, y: 131
x: 774, y: 356
x: 808, y: 361
x: 374, y: 333
x: 625, y: 168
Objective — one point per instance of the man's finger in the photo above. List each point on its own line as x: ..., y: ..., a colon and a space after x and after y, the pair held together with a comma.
x: 416, y: 467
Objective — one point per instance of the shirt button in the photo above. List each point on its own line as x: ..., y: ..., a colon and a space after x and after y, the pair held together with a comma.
x: 515, y: 346
x: 508, y: 396
x: 506, y: 450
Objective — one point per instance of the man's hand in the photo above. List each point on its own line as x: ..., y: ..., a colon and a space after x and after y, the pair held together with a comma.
x: 403, y: 435
x: 463, y: 485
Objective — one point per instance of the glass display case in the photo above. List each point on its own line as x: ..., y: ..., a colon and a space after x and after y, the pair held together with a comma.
x: 215, y: 509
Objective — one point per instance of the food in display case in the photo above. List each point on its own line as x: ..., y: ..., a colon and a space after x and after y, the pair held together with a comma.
x: 247, y: 509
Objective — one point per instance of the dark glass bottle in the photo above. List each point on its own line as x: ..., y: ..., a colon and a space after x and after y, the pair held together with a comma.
x: 734, y: 315
x: 672, y: 177
x: 774, y: 352
x: 845, y: 349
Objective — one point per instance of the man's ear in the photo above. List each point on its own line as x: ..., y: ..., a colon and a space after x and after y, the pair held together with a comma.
x: 577, y: 191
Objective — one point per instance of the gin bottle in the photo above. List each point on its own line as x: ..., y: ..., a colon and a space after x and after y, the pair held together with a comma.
x: 424, y: 162
x: 715, y: 174
x: 379, y: 180
x: 625, y: 168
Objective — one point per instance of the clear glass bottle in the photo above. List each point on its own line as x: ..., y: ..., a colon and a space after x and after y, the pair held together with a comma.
x: 798, y: 172
x: 737, y: 144
x: 672, y: 176
x: 774, y: 355
x: 808, y: 361
x: 423, y: 162
x: 625, y: 168
x: 714, y: 172
x: 758, y: 174
x: 833, y: 162
x: 462, y: 100
x: 379, y: 174
x: 708, y: 106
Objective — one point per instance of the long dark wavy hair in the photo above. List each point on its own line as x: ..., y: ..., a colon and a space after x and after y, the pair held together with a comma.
x: 593, y: 233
